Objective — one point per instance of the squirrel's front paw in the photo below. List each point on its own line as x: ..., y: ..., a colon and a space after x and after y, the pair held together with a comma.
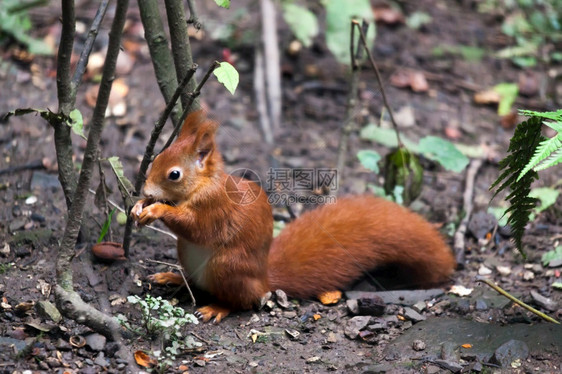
x: 149, y: 213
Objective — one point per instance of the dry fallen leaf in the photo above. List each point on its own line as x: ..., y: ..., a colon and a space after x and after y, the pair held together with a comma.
x: 467, y: 345
x: 144, y: 360
x: 509, y: 120
x: 487, y: 97
x: 460, y: 290
x: 109, y: 251
x: 316, y: 317
x: 414, y: 79
x: 388, y: 15
x: 328, y: 298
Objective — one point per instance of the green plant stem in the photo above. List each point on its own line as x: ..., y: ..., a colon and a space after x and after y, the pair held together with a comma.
x: 192, y: 96
x: 160, y: 54
x: 517, y: 301
x: 181, y: 49
x: 379, y: 80
x: 348, y: 124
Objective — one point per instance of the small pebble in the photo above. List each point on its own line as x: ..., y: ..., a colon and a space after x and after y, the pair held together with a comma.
x: 528, y: 275
x: 418, y: 345
x: 483, y: 270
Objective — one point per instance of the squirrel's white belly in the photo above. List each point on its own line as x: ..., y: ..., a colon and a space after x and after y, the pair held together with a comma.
x: 194, y: 260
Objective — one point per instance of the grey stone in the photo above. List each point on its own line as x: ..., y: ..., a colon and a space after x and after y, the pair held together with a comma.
x: 412, y: 315
x: 95, y: 341
x: 282, y: 299
x: 352, y: 306
x: 401, y: 297
x: 355, y: 325
x: 46, y: 309
x: 544, y: 302
x: 481, y: 305
x: 509, y: 352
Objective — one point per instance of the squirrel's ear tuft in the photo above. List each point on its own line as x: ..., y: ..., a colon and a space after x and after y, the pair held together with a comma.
x: 205, y: 137
x: 192, y: 123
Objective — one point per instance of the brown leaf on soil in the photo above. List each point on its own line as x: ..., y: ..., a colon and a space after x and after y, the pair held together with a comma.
x: 109, y: 251
x: 418, y: 83
x: 509, y: 120
x: 388, y: 15
x: 487, y: 97
x: 416, y: 80
x: 452, y: 133
x: 144, y: 360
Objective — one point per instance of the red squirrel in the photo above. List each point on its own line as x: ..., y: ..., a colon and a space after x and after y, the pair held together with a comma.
x: 226, y: 246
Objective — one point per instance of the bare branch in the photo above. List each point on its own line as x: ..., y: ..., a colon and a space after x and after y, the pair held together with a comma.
x: 193, y: 18
x: 181, y: 49
x: 88, y: 45
x: 149, y: 152
x: 160, y: 53
x: 66, y: 251
x: 191, y: 96
x: 64, y: 55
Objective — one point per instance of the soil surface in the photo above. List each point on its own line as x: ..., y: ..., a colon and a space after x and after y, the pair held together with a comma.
x: 303, y: 335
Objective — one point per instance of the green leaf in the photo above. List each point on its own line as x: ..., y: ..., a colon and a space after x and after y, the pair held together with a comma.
x: 339, y: 14
x: 106, y: 224
x: 386, y: 137
x: 544, y: 150
x: 555, y: 116
x: 470, y: 53
x: 369, y: 159
x: 223, y: 3
x: 444, y: 152
x: 228, y: 76
x: 557, y: 285
x: 499, y: 213
x: 418, y: 19
x: 303, y: 22
x: 77, y: 123
x: 508, y: 93
x: 547, y: 197
x: 525, y: 140
x: 554, y: 255
x: 524, y: 61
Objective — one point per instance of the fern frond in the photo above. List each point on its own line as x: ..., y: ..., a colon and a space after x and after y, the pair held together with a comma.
x: 522, y: 147
x: 543, y: 151
x: 555, y: 116
x: 554, y: 159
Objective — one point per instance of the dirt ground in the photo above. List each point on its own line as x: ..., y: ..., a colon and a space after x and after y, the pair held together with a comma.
x: 314, y: 90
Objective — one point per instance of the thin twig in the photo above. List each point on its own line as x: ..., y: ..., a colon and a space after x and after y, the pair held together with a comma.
x: 379, y: 80
x: 88, y: 45
x: 149, y: 152
x: 348, y: 124
x: 31, y: 166
x: 193, y: 18
x: 116, y: 206
x: 187, y: 108
x: 458, y: 246
x: 517, y: 301
x: 180, y: 269
x: 200, y: 338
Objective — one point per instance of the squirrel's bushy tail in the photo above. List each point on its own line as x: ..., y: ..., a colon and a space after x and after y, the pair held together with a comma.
x: 328, y: 248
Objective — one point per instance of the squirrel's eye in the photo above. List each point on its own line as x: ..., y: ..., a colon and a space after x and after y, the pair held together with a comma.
x: 174, y: 175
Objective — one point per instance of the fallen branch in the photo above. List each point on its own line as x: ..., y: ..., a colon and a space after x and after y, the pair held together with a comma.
x: 516, y: 300
x: 460, y: 234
